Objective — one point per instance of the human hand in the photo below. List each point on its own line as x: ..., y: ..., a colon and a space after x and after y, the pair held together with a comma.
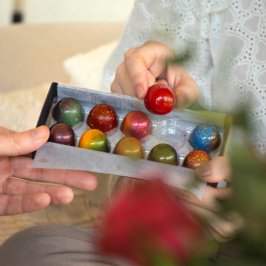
x: 21, y: 196
x: 142, y: 67
x: 148, y: 64
x: 221, y: 229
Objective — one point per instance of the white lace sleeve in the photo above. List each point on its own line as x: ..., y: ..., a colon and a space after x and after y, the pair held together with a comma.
x: 224, y: 44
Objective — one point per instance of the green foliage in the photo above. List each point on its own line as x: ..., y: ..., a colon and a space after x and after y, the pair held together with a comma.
x: 246, y: 262
x: 160, y: 260
x: 249, y: 198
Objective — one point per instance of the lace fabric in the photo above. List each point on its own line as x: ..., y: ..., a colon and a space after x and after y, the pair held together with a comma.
x: 224, y: 46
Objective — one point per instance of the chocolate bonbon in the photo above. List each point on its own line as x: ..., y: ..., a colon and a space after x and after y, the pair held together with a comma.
x: 159, y: 99
x: 62, y: 134
x: 131, y: 147
x: 94, y: 139
x: 196, y: 158
x: 205, y: 137
x: 164, y: 153
x: 102, y: 117
x: 136, y: 124
x: 68, y: 111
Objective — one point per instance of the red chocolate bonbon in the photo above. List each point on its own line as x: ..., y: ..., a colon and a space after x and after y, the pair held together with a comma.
x: 62, y: 134
x: 102, y: 117
x: 160, y: 99
x: 136, y: 124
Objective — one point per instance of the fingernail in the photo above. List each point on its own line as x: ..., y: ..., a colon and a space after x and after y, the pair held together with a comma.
x: 203, y: 171
x: 39, y: 133
x: 139, y: 91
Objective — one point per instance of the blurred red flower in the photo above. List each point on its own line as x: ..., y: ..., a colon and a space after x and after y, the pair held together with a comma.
x: 150, y: 221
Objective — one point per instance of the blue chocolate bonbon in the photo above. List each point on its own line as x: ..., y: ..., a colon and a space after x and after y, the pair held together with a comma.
x: 205, y: 137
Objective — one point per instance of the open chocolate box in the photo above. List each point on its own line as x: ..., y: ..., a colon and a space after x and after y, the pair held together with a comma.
x: 173, y: 129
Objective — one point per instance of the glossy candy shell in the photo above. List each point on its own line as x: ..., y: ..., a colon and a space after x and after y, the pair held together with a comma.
x: 159, y: 100
x: 196, y: 158
x: 68, y: 111
x: 164, y: 153
x: 94, y: 139
x: 102, y: 117
x: 136, y: 124
x: 130, y: 147
x: 62, y: 134
x: 205, y: 137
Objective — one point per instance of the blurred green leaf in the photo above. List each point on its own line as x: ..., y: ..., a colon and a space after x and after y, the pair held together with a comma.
x: 249, y: 197
x: 201, y: 262
x: 241, y: 120
x: 249, y: 185
x: 238, y: 262
x: 161, y: 260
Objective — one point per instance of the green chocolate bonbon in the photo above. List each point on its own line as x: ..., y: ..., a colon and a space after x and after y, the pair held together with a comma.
x: 164, y: 153
x: 68, y: 111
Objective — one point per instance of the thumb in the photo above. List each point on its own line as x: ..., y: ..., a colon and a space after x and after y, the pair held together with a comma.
x: 19, y: 143
x: 185, y: 88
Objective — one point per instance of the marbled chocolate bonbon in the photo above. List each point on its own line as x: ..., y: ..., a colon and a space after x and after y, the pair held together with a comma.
x: 196, y: 158
x: 205, y: 137
x: 94, y: 139
x: 136, y: 124
x: 62, y: 134
x: 103, y: 117
x: 164, y: 153
x: 130, y: 147
x: 68, y: 111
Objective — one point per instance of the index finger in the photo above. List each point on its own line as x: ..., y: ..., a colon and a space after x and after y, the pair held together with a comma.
x: 185, y: 88
x: 152, y: 57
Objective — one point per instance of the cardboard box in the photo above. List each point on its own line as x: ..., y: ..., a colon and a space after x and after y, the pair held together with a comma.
x: 56, y: 156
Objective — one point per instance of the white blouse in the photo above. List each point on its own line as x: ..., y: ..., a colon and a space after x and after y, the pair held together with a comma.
x: 224, y: 43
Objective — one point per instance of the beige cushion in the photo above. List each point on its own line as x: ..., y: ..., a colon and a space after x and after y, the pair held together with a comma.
x: 22, y: 107
x: 86, y: 70
x: 33, y: 54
